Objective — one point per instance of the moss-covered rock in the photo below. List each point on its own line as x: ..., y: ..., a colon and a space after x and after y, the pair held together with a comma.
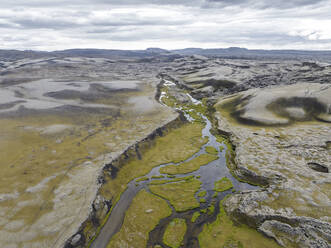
x: 223, y: 184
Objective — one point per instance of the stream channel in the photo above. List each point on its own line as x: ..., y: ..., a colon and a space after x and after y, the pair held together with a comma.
x: 207, y: 174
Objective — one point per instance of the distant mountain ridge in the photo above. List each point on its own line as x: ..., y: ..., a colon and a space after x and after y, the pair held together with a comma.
x: 232, y: 52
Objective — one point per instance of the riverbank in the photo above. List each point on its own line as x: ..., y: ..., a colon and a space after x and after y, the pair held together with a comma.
x: 202, y: 183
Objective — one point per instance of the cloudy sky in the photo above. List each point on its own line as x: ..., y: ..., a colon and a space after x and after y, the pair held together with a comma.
x: 171, y: 24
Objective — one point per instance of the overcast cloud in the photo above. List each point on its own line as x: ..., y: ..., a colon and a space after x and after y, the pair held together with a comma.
x: 138, y: 24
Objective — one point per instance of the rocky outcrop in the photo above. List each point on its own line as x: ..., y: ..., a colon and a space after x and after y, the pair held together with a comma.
x: 283, y: 225
x: 291, y: 158
x: 228, y: 76
x: 203, y: 92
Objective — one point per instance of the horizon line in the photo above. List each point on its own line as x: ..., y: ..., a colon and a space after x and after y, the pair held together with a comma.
x: 146, y: 49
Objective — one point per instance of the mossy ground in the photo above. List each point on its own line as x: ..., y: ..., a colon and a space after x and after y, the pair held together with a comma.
x: 177, y: 145
x: 223, y: 184
x: 194, y: 110
x: 189, y: 166
x: 29, y: 158
x: 174, y: 233
x: 195, y: 216
x: 202, y: 193
x: 172, y: 180
x: 224, y: 233
x: 139, y: 221
x: 142, y: 179
x: 211, y: 209
x: 211, y: 150
x: 157, y: 177
x: 180, y: 194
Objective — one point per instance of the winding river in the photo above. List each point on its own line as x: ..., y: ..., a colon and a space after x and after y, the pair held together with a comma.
x: 208, y: 174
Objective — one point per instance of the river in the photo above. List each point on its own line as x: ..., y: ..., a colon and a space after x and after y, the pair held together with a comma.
x: 208, y: 175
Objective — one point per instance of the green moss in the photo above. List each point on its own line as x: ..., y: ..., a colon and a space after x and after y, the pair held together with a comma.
x: 203, y: 211
x: 180, y: 194
x: 193, y: 110
x: 194, y: 115
x: 178, y: 179
x: 228, y: 108
x: 189, y: 166
x: 174, y: 233
x: 195, y: 216
x: 157, y: 177
x: 293, y: 199
x: 142, y: 179
x: 211, y: 209
x: 135, y: 228
x: 221, y: 148
x: 211, y: 150
x: 223, y: 184
x: 167, y: 99
x: 224, y: 233
x: 224, y: 140
x: 202, y: 193
x: 202, y: 200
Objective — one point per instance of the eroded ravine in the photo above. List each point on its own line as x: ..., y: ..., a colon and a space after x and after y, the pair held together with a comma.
x: 208, y: 174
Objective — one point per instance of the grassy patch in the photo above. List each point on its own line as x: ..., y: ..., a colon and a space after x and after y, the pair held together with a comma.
x: 202, y: 193
x: 142, y: 179
x: 139, y: 221
x: 211, y: 150
x: 157, y: 177
x: 211, y: 209
x: 193, y: 110
x: 203, y: 211
x: 167, y: 99
x: 174, y: 233
x: 189, y: 166
x: 163, y: 181
x: 180, y: 194
x: 224, y: 233
x: 223, y: 184
x: 195, y: 216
